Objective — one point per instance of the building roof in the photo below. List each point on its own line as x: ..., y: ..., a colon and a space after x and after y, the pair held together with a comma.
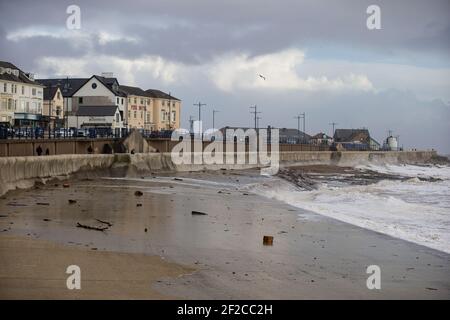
x: 112, y: 84
x: 283, y: 132
x: 351, y: 135
x: 321, y: 135
x: 68, y: 86
x: 49, y: 92
x: 96, y: 111
x: 288, y: 132
x: 154, y: 93
x: 21, y: 77
x: 135, y: 91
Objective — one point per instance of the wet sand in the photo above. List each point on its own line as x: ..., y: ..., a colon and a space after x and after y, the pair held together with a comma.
x: 35, y: 269
x: 312, y: 256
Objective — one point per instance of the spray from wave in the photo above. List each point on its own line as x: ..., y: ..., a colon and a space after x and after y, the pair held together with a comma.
x: 414, y: 205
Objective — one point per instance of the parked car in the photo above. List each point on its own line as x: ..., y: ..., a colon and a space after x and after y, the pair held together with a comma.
x: 22, y: 132
x: 82, y: 133
x: 63, y: 132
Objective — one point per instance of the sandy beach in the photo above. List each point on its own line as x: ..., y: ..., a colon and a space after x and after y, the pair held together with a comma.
x: 155, y: 248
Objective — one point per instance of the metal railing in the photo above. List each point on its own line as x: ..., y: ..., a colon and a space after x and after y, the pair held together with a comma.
x: 32, y: 133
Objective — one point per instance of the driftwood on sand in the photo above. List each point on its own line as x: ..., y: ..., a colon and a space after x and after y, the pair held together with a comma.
x: 79, y: 225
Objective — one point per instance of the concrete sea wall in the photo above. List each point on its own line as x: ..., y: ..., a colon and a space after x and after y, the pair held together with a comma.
x: 23, y: 172
x: 352, y: 158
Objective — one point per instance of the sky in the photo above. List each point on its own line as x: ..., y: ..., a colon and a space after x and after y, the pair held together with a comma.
x: 317, y: 57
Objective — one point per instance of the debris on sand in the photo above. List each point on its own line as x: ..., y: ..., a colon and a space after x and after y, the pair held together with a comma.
x: 138, y: 193
x: 47, y: 220
x: 145, y: 230
x: 177, y: 179
x: 71, y: 201
x: 66, y: 185
x: 198, y: 213
x: 79, y: 225
x: 15, y: 204
x: 109, y: 224
x: 268, y: 240
x: 299, y: 179
x: 138, y: 204
x: 42, y: 203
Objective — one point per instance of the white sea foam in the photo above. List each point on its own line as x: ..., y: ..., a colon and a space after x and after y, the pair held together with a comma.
x: 413, y: 210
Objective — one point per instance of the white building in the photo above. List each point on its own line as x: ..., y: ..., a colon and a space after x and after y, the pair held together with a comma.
x: 98, y: 117
x: 21, y: 98
x: 100, y: 91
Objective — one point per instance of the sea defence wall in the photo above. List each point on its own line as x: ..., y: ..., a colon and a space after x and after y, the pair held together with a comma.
x: 23, y: 172
x: 352, y: 158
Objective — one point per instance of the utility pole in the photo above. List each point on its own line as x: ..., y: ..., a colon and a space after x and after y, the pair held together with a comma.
x: 333, y: 124
x: 304, y: 126
x: 200, y: 105
x: 298, y: 126
x: 214, y: 113
x: 191, y: 124
x: 255, y: 114
x: 257, y: 122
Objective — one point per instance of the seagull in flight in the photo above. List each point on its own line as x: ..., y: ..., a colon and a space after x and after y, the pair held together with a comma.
x: 262, y: 77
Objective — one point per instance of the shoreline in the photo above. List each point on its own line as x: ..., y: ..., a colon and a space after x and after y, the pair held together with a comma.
x: 312, y: 257
x: 24, y: 172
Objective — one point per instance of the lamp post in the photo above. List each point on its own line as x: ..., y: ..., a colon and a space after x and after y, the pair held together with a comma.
x: 200, y: 105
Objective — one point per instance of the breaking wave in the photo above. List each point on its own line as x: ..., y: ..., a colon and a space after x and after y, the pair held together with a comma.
x: 412, y: 209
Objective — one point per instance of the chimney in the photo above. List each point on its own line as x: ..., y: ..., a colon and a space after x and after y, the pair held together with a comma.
x: 30, y: 76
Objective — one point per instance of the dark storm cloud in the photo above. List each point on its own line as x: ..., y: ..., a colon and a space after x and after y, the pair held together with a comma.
x: 191, y: 31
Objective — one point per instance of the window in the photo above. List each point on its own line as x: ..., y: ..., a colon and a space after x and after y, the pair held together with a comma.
x: 94, y: 85
x: 59, y: 95
x: 121, y: 101
x: 142, y: 101
x: 163, y: 115
x: 33, y: 91
x: 117, y: 117
x: 163, y: 103
x: 129, y: 114
x: 142, y: 114
x: 135, y: 100
x: 135, y: 114
x: 117, y: 99
x: 173, y: 104
x: 5, y: 87
x: 148, y: 101
x: 148, y: 116
x: 80, y: 100
x: 174, y: 116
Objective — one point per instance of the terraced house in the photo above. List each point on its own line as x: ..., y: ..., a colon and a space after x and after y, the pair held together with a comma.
x: 21, y: 98
x: 53, y: 107
x: 166, y: 110
x: 139, y: 114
